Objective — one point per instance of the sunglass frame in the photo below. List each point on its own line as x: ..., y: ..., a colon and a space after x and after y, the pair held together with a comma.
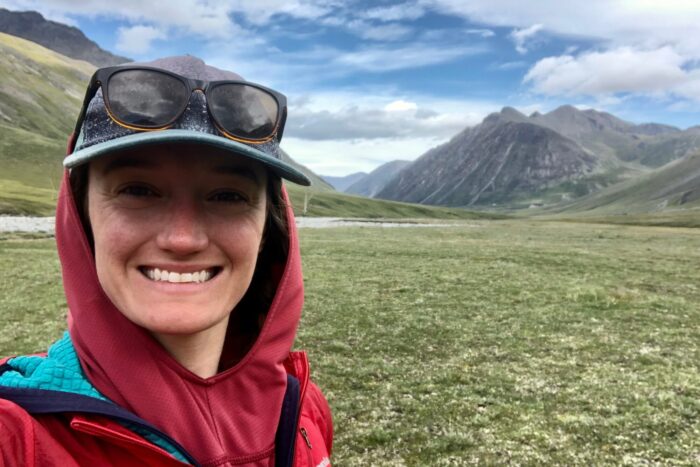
x: 102, y: 76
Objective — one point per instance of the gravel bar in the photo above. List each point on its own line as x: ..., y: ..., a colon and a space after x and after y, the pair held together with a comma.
x: 46, y: 224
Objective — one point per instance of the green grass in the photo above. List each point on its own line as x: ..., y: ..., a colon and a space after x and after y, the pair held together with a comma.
x: 19, y: 199
x: 336, y: 204
x: 496, y: 342
x: 521, y: 343
x: 670, y: 218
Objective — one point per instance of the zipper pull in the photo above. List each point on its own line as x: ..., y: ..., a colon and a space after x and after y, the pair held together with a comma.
x: 305, y: 436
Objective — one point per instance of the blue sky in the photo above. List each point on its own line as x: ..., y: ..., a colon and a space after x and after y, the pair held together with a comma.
x: 369, y: 82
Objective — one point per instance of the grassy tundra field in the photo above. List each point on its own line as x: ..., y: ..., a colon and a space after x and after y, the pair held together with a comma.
x: 491, y: 342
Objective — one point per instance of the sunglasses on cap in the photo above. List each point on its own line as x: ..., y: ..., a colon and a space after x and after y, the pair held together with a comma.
x: 146, y: 98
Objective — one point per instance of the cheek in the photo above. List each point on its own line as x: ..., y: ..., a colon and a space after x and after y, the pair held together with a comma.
x: 115, y: 241
x: 242, y: 242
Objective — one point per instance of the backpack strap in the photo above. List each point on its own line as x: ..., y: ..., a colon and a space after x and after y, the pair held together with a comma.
x: 42, y: 401
x: 46, y: 401
x: 286, y: 430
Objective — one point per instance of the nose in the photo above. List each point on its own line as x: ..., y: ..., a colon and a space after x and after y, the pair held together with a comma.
x: 183, y: 231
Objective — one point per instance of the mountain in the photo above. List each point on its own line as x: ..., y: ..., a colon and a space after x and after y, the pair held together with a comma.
x: 40, y: 98
x: 317, y: 182
x: 500, y: 160
x: 66, y: 40
x: 341, y: 183
x: 615, y: 140
x: 515, y: 160
x: 673, y: 186
x: 372, y: 183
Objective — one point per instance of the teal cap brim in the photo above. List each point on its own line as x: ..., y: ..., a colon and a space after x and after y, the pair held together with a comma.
x: 151, y: 138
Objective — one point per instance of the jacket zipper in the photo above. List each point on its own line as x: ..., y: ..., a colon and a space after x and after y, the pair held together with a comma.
x: 309, y: 452
x: 305, y: 436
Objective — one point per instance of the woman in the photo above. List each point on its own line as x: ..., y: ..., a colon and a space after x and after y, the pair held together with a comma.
x: 182, y: 275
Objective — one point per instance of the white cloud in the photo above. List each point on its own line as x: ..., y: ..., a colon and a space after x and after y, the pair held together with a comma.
x: 621, y: 70
x: 381, y: 32
x: 338, y: 158
x: 521, y: 36
x: 510, y: 65
x: 643, y: 23
x: 485, y: 33
x: 400, y: 105
x: 379, y: 59
x: 361, y: 115
x: 205, y: 18
x: 404, y: 11
x: 260, y: 11
x: 136, y: 40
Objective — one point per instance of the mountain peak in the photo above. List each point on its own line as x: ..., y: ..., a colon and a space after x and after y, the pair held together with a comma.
x: 564, y: 110
x: 507, y: 114
x: 511, y: 112
x: 61, y: 38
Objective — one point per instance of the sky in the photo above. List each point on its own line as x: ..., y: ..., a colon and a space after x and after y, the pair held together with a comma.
x: 369, y: 82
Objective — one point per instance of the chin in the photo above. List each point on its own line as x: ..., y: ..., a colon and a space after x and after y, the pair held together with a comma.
x: 178, y: 320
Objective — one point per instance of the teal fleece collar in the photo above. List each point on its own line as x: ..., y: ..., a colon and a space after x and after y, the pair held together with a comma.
x: 60, y: 370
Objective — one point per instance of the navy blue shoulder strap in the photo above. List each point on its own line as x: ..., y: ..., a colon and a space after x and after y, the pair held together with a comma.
x: 44, y: 401
x: 287, y: 428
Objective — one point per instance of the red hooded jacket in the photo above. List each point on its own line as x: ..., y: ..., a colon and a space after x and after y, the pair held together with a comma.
x: 229, y: 419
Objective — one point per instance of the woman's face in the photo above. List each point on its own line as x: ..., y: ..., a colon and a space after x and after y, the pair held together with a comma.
x: 177, y: 231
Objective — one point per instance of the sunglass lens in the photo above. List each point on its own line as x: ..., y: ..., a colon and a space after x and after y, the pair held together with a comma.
x: 145, y: 98
x: 243, y: 111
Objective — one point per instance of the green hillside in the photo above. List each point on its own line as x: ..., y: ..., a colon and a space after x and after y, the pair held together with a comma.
x: 669, y: 195
x: 40, y: 97
x: 334, y: 204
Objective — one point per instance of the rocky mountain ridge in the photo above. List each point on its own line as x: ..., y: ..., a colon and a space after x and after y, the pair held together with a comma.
x: 341, y: 183
x: 374, y: 181
x: 66, y: 40
x: 512, y: 159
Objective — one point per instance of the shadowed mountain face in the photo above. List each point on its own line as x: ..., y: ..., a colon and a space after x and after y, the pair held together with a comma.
x: 650, y: 144
x: 373, y: 182
x: 513, y: 159
x: 66, y: 40
x: 490, y: 163
x: 341, y: 183
x: 673, y: 186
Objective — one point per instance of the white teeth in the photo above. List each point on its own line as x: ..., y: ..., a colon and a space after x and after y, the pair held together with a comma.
x: 156, y: 274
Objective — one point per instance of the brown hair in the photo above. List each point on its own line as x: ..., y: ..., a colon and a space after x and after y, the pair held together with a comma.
x: 248, y: 317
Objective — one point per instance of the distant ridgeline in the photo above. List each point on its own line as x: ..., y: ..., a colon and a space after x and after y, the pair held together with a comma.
x: 64, y: 39
x: 518, y: 161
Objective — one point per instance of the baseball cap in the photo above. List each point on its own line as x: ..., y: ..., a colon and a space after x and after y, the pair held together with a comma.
x: 100, y: 135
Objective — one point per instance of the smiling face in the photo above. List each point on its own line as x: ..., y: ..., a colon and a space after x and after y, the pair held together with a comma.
x: 177, y: 231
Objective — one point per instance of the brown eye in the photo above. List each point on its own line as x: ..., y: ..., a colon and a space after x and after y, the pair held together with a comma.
x: 228, y: 197
x: 138, y: 191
